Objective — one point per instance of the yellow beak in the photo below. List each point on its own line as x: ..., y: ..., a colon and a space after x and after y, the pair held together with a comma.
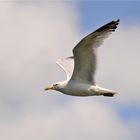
x: 49, y: 88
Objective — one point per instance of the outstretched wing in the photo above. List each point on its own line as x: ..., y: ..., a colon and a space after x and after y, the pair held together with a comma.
x: 67, y: 64
x: 85, y: 53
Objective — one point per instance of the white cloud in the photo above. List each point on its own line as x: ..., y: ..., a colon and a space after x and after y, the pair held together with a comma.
x: 80, y: 120
x: 33, y: 36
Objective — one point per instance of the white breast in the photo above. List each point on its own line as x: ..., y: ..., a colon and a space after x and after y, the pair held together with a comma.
x: 76, y: 89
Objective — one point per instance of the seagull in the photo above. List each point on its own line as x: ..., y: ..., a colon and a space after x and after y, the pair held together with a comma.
x: 80, y: 68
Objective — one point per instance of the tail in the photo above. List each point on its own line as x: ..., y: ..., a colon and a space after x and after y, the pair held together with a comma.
x: 104, y: 91
x: 110, y: 94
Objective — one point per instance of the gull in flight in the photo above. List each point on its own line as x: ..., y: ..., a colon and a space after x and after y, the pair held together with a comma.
x: 80, y: 68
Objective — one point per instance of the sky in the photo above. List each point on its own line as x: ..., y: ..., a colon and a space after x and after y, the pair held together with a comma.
x: 34, y: 34
x: 102, y: 11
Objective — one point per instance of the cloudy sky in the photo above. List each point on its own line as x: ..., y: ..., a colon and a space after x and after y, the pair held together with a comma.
x: 33, y: 35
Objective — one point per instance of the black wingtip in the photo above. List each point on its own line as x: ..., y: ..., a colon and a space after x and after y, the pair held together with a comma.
x: 114, y: 24
x: 116, y: 21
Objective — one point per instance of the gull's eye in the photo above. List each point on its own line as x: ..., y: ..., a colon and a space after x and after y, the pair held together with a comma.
x: 55, y: 85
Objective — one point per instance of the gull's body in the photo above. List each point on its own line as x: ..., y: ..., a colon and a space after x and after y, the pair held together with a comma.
x: 80, y: 68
